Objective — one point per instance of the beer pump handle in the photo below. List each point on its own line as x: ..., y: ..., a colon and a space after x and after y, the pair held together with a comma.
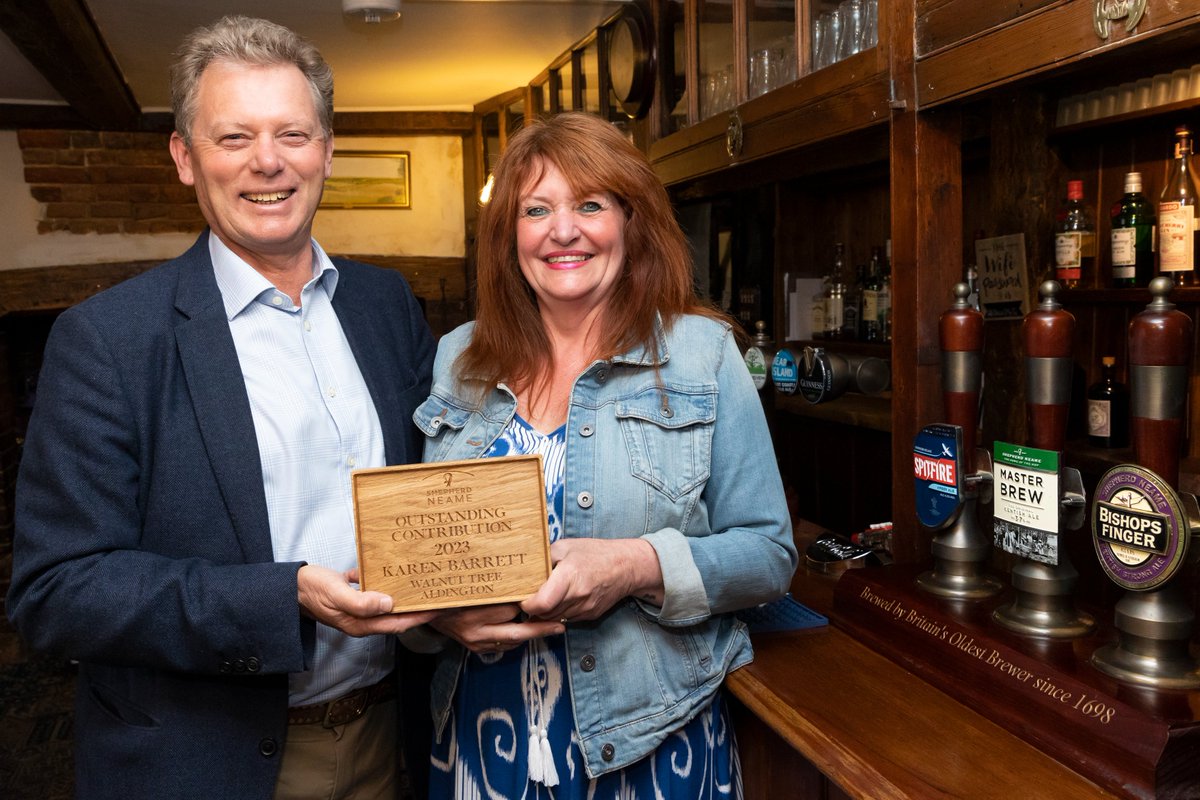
x: 1160, y: 357
x: 1047, y: 335
x: 960, y: 330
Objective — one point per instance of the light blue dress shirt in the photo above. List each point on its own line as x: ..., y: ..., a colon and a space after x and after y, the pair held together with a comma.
x: 315, y: 422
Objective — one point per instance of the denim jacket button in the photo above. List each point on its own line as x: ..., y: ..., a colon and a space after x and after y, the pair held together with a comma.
x: 584, y: 499
x: 435, y: 423
x: 586, y: 430
x: 608, y: 752
x: 587, y: 663
x: 602, y: 375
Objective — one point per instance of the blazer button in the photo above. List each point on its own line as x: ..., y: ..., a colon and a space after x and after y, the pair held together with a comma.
x: 608, y: 752
x: 239, y: 666
x: 586, y: 430
x: 268, y: 747
x: 584, y: 499
x: 587, y: 663
x: 226, y: 666
x: 253, y: 664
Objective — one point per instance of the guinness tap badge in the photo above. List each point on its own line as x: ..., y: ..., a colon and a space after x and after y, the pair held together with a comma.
x: 1139, y: 529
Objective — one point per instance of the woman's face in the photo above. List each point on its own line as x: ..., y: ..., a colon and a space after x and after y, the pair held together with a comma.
x: 571, y: 249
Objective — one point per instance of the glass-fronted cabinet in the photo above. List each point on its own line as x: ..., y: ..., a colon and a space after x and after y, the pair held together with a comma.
x: 763, y: 72
x: 744, y: 49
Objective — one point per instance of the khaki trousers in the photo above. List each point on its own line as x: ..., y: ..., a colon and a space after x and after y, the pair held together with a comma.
x: 355, y: 761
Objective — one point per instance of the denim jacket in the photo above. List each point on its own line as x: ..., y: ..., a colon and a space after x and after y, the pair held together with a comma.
x: 672, y: 447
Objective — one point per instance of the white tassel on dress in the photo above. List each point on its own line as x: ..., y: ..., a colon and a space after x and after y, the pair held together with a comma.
x: 535, y: 758
x: 550, y: 772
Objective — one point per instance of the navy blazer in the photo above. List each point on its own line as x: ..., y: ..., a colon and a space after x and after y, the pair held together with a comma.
x: 142, y: 547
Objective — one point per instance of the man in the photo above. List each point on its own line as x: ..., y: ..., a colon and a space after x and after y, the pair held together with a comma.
x: 184, y: 525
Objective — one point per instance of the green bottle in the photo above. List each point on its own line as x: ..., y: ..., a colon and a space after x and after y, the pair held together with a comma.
x: 1132, y: 236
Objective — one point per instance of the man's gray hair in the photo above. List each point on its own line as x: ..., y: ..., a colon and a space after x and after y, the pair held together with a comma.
x: 246, y: 40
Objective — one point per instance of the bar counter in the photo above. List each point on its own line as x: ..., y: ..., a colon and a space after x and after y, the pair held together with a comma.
x: 820, y: 715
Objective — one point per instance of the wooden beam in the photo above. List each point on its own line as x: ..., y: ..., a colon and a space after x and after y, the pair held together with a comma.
x: 61, y: 40
x: 30, y: 115
x: 401, y: 123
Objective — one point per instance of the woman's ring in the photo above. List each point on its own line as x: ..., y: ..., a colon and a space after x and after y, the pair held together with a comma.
x: 564, y: 620
x: 499, y: 647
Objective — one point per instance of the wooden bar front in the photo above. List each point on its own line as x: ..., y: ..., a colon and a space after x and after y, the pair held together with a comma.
x: 820, y: 714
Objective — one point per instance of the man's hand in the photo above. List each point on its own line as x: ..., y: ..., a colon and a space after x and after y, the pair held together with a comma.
x: 327, y: 596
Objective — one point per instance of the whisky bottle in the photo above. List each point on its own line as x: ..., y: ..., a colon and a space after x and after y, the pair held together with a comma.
x: 1074, y: 240
x: 1108, y: 408
x: 871, y: 324
x: 1177, y: 215
x: 836, y: 298
x: 1132, y: 236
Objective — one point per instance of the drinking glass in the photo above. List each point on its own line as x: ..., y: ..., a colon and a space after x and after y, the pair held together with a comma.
x: 870, y: 37
x: 724, y: 94
x: 833, y: 32
x: 709, y: 98
x: 820, y: 28
x: 787, y: 60
x: 760, y: 72
x: 850, y: 40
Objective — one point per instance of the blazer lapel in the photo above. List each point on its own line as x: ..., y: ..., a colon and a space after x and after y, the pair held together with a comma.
x: 222, y: 407
x: 377, y: 361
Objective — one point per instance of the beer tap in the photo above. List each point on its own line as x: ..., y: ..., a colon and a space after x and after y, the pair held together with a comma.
x: 950, y: 489
x: 1141, y: 526
x: 1043, y: 604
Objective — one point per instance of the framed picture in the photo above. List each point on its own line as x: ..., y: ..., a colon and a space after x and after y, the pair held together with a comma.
x: 368, y: 179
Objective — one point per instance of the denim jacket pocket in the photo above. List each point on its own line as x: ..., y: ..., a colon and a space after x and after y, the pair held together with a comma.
x: 435, y: 415
x: 668, y: 435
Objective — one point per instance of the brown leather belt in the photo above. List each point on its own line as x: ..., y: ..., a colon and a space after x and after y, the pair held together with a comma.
x: 346, y: 708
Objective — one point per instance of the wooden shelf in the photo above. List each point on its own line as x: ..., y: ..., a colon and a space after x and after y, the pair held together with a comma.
x: 1132, y: 116
x: 860, y: 410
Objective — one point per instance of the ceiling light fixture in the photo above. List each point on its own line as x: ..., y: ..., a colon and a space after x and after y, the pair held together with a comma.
x: 372, y: 11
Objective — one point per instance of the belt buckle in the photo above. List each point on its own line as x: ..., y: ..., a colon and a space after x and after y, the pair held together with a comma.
x: 330, y: 721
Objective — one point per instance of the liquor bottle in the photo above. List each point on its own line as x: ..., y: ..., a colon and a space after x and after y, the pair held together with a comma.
x: 885, y: 295
x: 1074, y: 240
x: 1177, y: 215
x: 1108, y: 408
x: 852, y: 305
x: 836, y: 298
x: 835, y: 303
x: 871, y: 329
x: 1132, y: 236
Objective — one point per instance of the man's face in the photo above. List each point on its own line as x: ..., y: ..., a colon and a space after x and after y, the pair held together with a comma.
x: 258, y: 159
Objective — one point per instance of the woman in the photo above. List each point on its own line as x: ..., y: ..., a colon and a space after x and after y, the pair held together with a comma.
x: 665, y: 505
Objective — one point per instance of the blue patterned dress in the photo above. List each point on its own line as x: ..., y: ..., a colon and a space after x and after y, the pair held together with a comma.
x: 511, y: 734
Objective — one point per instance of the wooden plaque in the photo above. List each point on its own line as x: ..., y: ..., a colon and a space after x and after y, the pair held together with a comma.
x: 455, y: 533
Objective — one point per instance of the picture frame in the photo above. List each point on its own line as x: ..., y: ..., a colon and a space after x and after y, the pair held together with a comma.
x: 369, y: 179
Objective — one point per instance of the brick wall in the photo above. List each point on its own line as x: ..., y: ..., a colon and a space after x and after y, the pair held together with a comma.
x: 107, y: 182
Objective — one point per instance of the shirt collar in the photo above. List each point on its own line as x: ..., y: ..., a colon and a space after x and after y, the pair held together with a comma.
x: 240, y: 284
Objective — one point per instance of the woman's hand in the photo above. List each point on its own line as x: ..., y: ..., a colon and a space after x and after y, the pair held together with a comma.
x: 592, y: 575
x: 492, y: 629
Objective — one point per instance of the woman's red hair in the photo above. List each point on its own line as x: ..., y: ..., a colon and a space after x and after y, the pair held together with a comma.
x: 509, y: 342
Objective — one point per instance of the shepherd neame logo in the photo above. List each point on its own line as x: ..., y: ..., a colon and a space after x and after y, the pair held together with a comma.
x: 1141, y: 530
